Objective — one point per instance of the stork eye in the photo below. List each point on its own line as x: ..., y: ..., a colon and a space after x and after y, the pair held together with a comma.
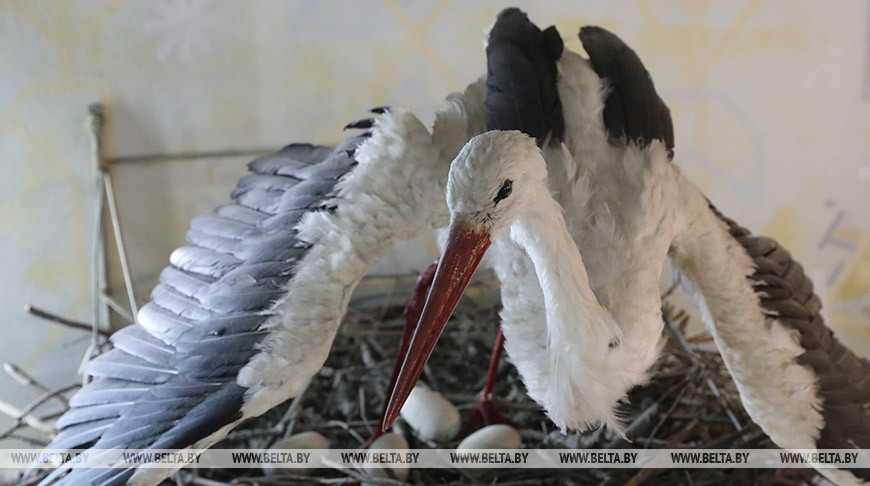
x: 505, y: 190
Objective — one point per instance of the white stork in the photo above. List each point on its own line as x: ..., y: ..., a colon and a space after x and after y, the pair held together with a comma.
x: 582, y: 306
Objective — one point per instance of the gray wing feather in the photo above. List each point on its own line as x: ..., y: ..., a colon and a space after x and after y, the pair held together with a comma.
x: 76, y: 435
x: 108, y: 390
x: 284, y: 247
x: 171, y: 379
x: 262, y: 272
x: 183, y: 282
x: 223, y: 227
x: 120, y: 365
x: 161, y: 323
x: 258, y: 200
x: 202, y: 261
x: 240, y: 213
x: 211, y: 242
x: 179, y: 304
x: 294, y: 155
x: 265, y: 183
x: 282, y: 222
x: 240, y: 299
x: 80, y: 415
x: 135, y: 341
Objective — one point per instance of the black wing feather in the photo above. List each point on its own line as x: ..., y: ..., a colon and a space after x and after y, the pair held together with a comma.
x: 633, y: 110
x: 521, y: 91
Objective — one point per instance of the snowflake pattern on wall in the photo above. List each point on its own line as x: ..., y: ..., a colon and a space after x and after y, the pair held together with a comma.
x: 182, y: 27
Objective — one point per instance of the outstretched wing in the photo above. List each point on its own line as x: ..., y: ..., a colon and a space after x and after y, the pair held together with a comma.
x: 170, y: 380
x: 786, y: 293
x: 796, y: 380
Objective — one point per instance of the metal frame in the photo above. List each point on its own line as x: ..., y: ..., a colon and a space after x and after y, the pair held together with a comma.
x: 106, y: 213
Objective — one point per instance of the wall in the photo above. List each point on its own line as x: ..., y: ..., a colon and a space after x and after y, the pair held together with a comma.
x: 770, y: 101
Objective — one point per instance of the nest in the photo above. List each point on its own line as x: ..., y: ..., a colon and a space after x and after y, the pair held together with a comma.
x: 690, y: 402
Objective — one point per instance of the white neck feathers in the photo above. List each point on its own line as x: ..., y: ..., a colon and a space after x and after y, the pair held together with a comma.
x: 585, y: 384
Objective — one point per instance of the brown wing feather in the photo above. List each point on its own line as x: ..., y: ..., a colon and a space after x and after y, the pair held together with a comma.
x: 786, y: 292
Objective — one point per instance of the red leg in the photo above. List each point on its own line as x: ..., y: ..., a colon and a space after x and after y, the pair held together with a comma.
x: 412, y: 315
x: 486, y: 412
x: 497, y: 351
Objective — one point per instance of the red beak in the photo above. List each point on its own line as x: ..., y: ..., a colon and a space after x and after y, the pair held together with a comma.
x: 465, y: 248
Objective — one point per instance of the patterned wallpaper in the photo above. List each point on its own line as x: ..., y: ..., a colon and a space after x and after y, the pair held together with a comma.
x: 770, y: 101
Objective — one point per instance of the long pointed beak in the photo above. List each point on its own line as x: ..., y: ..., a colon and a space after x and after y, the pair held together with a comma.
x: 465, y: 248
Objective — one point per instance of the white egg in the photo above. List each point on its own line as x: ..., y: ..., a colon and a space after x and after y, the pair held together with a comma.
x: 392, y: 471
x: 431, y: 415
x: 303, y: 440
x: 498, y: 436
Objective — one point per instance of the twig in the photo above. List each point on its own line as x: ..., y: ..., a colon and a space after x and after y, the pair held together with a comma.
x: 646, y: 473
x: 282, y: 479
x: 199, y: 481
x: 730, y: 437
x: 36, y: 311
x: 681, y: 341
x: 678, y: 336
x: 389, y: 298
x: 367, y: 479
x: 642, y: 420
x: 25, y: 379
x: 369, y: 332
x: 347, y: 428
x: 362, y: 410
x: 290, y: 415
x: 119, y: 244
x: 723, y: 403
x: 667, y: 293
x: 19, y: 416
x: 24, y: 416
x: 29, y: 440
x: 670, y: 410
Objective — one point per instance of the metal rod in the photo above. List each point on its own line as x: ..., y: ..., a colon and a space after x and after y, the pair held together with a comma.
x: 115, y: 306
x: 44, y: 314
x: 119, y: 242
x: 94, y: 122
x: 126, y: 159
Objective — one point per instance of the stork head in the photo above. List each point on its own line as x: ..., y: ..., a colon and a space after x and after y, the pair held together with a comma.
x: 492, y: 183
x: 492, y: 179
